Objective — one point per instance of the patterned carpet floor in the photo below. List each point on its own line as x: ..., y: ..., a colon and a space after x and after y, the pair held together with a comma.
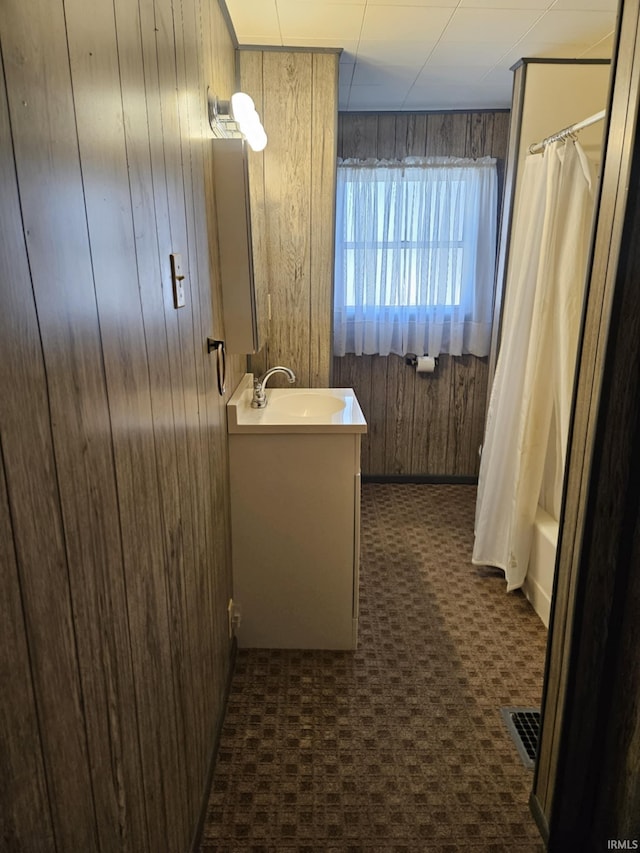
x: 398, y: 747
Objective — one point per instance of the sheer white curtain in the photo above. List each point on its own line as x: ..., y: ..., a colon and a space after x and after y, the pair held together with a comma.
x: 533, y: 384
x: 415, y: 256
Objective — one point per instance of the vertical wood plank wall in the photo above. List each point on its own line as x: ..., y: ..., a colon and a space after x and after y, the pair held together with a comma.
x: 420, y: 425
x: 114, y: 543
x: 293, y: 203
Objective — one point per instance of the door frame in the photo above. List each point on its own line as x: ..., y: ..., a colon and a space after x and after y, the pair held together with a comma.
x: 587, y: 651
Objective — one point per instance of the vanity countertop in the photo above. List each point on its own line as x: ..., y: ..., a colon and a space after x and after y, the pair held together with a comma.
x: 295, y: 410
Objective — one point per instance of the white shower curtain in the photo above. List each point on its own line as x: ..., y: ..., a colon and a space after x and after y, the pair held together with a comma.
x: 531, y: 394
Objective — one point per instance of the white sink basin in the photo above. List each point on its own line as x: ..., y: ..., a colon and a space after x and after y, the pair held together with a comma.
x: 295, y: 410
x: 307, y: 405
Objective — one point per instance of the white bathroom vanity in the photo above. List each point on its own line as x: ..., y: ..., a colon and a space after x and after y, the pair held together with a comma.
x: 295, y: 516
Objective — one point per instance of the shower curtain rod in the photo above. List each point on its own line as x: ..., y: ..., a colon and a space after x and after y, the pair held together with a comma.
x: 537, y: 147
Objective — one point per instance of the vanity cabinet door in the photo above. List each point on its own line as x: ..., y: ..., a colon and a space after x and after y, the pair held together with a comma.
x: 294, y: 515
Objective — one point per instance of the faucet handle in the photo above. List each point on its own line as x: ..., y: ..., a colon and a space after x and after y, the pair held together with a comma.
x: 259, y: 399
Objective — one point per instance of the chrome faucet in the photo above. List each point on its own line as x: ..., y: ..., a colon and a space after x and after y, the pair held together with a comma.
x: 259, y: 400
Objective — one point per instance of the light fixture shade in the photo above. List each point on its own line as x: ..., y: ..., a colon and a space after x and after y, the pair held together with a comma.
x: 242, y: 107
x: 256, y: 138
x: 244, y: 113
x: 237, y: 117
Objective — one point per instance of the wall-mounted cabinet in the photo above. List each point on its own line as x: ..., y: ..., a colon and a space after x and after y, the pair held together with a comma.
x: 231, y: 178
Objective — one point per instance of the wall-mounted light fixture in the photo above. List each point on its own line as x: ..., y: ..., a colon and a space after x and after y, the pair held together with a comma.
x: 236, y: 118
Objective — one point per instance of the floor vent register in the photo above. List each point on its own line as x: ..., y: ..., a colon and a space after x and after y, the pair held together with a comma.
x: 524, y: 727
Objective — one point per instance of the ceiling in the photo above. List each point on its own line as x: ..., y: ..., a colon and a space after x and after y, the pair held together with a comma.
x: 429, y: 54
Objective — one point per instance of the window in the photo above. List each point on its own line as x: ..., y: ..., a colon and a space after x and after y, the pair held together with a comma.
x: 415, y: 256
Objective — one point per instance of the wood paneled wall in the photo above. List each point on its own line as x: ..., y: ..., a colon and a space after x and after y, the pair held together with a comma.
x: 293, y: 204
x: 420, y: 425
x: 115, y: 571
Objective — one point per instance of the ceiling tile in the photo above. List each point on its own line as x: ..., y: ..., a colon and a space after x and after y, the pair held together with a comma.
x: 484, y: 89
x: 531, y: 48
x: 404, y: 23
x: 346, y: 74
x: 442, y: 75
x: 324, y: 2
x: 602, y: 49
x: 322, y: 20
x: 465, y: 53
x: 429, y: 54
x: 509, y: 4
x: 497, y: 78
x: 502, y: 26
x: 395, y: 3
x: 586, y: 6
x: 343, y: 97
x: 367, y: 74
x: 395, y: 53
x: 440, y: 97
x: 376, y: 98
x: 259, y: 38
x: 349, y: 52
x: 573, y: 27
x: 255, y: 21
